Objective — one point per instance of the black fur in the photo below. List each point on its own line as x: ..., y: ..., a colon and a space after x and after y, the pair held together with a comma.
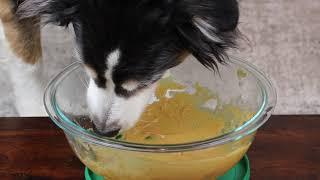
x: 151, y: 34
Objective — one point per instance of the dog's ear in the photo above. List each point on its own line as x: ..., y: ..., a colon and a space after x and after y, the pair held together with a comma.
x: 208, y: 28
x: 59, y: 12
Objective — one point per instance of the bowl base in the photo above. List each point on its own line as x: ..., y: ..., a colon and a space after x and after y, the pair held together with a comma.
x: 241, y: 171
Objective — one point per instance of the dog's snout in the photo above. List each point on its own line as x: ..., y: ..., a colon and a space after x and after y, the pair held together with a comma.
x: 110, y: 112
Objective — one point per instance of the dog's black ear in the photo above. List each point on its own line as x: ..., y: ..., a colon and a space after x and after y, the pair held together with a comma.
x: 208, y: 28
x: 59, y: 12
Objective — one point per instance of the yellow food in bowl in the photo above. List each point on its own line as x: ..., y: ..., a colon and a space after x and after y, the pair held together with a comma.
x: 181, y: 117
x: 177, y: 116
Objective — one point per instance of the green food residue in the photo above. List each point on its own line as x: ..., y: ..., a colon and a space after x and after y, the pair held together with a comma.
x: 148, y: 138
x: 151, y: 137
x: 119, y: 136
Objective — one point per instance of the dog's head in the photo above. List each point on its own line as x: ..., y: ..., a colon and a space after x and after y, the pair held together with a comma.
x: 127, y: 45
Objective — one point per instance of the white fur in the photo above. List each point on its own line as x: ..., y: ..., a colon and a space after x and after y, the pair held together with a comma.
x: 28, y: 88
x: 206, y: 29
x: 111, y: 61
x: 108, y: 109
x: 26, y: 80
x: 130, y: 85
x: 132, y: 108
x: 98, y: 101
x: 3, y: 46
x: 113, y: 58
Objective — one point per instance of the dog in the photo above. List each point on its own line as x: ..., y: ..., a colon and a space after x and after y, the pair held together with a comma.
x: 126, y: 46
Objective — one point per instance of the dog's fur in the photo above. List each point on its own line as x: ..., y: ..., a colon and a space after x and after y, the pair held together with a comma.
x: 22, y: 47
x: 126, y: 45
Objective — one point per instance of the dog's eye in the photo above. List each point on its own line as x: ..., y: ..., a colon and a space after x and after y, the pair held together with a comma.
x: 128, y: 88
x: 125, y: 93
x: 131, y: 87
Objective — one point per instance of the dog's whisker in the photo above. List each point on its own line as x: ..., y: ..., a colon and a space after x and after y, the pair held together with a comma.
x: 86, y: 81
x: 83, y: 81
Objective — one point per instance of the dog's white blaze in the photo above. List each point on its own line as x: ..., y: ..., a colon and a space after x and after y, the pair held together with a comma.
x: 113, y: 58
x: 112, y: 61
x: 206, y: 29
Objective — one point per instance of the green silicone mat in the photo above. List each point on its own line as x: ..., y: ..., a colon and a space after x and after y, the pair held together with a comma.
x: 241, y: 171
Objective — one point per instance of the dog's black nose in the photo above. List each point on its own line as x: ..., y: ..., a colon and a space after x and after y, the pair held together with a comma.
x: 112, y: 133
x: 107, y: 133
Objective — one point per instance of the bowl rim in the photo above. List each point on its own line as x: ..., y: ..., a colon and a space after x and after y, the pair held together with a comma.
x: 261, y: 116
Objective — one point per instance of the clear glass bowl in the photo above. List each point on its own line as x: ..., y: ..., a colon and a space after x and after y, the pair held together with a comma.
x: 238, y: 83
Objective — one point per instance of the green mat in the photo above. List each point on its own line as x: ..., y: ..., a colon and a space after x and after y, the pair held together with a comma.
x: 241, y: 171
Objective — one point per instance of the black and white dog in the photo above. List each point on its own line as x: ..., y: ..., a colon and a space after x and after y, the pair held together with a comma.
x: 125, y: 45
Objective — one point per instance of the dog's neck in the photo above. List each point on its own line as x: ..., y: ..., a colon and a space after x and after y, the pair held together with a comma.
x: 23, y: 36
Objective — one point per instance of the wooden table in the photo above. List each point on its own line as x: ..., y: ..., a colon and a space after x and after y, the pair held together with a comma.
x: 287, y: 147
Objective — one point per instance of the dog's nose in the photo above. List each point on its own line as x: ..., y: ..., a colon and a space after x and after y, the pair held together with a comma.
x: 110, y: 131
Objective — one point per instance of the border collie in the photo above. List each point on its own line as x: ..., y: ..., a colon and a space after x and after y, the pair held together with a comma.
x: 125, y: 45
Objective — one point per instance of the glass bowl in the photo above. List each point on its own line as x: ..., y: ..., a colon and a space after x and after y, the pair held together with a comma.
x: 237, y: 83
